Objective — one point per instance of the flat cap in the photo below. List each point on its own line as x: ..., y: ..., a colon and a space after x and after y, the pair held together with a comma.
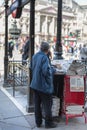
x: 44, y: 46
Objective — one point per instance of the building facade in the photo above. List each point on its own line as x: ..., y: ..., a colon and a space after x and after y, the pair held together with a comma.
x: 74, y: 19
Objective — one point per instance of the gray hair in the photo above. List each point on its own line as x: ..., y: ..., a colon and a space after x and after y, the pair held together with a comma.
x: 44, y: 46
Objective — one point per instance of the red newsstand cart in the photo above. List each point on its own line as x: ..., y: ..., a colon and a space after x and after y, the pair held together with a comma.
x: 74, y: 96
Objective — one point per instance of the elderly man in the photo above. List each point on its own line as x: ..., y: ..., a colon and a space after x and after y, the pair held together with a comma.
x: 42, y: 84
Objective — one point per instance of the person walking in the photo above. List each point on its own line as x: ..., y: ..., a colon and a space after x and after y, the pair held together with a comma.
x: 10, y: 47
x: 25, y: 53
x: 83, y: 52
x: 42, y: 85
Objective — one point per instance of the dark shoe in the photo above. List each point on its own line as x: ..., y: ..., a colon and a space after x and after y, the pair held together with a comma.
x: 52, y: 125
x: 38, y: 125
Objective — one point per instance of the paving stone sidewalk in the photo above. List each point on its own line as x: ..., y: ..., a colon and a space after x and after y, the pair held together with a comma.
x: 11, y: 118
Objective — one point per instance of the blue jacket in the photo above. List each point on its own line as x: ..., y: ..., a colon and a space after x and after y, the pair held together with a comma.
x: 42, y: 79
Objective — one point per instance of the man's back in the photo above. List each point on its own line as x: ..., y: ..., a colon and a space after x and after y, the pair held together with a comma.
x: 41, y: 73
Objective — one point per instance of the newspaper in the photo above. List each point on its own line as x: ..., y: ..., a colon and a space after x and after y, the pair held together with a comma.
x: 76, y: 68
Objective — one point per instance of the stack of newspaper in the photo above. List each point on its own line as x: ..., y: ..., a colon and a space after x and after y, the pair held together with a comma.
x: 55, y: 106
x: 74, y: 109
x: 76, y: 68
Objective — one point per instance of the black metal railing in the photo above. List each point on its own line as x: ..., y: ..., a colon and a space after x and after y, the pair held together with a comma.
x: 18, y: 75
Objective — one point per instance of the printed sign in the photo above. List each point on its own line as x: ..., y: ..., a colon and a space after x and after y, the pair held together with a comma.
x: 76, y: 83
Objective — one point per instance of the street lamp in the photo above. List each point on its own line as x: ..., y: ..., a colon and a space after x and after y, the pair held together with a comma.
x: 6, y: 42
x: 58, y: 47
x: 30, y: 105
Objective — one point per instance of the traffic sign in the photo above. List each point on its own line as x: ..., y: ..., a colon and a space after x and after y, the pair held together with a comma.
x: 16, y: 4
x: 13, y: 6
x: 18, y: 11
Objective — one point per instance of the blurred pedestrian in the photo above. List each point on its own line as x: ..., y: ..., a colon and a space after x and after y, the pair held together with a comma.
x: 42, y: 85
x: 10, y: 47
x: 83, y: 52
x: 25, y: 50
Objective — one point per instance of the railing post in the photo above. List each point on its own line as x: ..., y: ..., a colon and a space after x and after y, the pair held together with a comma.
x: 13, y: 79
